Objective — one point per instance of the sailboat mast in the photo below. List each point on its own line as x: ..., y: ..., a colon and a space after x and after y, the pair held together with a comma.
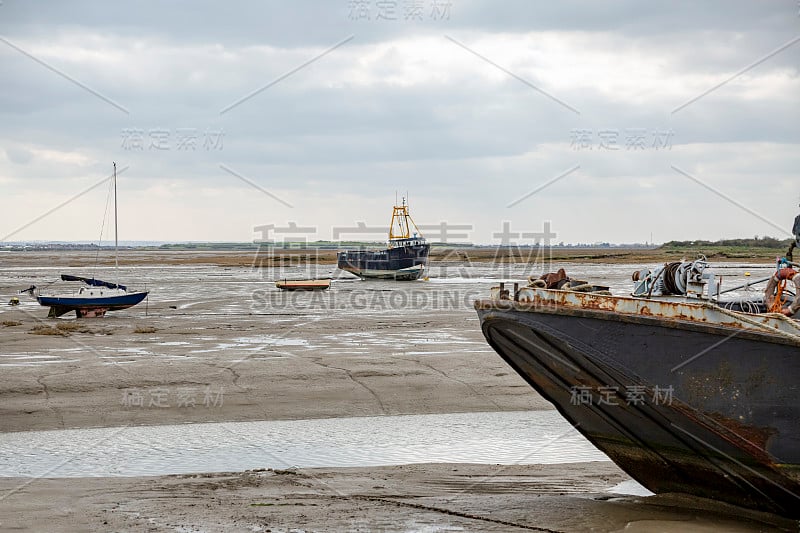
x: 116, y: 238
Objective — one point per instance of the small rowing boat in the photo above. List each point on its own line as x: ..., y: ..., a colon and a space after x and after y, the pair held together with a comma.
x: 303, y: 284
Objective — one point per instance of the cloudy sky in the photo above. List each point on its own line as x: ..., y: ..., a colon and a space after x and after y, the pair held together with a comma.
x: 609, y: 121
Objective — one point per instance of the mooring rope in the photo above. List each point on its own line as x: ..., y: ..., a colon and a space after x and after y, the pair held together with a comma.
x: 744, y: 318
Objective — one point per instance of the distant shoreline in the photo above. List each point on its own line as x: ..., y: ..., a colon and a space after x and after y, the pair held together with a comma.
x: 279, y: 256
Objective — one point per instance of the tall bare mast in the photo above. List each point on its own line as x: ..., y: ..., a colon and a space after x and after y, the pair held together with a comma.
x: 116, y: 238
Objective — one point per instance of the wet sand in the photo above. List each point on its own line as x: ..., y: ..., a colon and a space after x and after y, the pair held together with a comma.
x: 222, y: 344
x: 247, y: 368
x: 426, y: 497
x: 214, y: 344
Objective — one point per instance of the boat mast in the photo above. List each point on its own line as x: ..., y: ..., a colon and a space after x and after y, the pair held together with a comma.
x: 116, y: 238
x: 403, y: 222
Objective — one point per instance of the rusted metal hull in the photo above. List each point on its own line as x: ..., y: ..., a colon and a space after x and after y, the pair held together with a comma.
x: 718, y: 407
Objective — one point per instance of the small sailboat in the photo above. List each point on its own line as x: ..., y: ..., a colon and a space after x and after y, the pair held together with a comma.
x: 95, y: 297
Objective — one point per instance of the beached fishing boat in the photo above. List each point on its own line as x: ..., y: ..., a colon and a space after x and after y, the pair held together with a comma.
x: 95, y: 297
x: 680, y: 388
x: 405, y: 257
x: 303, y: 284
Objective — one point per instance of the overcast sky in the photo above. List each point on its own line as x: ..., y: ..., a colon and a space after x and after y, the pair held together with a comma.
x: 609, y: 121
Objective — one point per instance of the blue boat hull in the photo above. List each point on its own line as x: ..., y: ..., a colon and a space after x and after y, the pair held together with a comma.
x: 60, y: 305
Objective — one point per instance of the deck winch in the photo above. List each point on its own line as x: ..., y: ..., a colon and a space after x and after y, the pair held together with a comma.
x: 680, y: 278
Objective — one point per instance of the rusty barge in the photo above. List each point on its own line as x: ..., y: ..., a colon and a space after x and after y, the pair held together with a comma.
x: 682, y: 391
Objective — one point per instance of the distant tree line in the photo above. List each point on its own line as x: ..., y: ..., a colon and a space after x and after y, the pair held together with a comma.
x: 755, y: 242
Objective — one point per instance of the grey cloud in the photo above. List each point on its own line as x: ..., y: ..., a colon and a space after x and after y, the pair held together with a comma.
x: 473, y: 138
x: 20, y: 156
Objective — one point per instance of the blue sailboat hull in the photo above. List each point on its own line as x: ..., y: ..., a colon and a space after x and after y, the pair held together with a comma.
x: 60, y: 305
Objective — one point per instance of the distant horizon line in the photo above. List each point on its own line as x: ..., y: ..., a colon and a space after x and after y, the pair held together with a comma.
x: 148, y: 243
x: 140, y: 243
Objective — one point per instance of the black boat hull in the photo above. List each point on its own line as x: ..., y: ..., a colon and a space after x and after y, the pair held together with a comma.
x: 402, y: 263
x: 730, y: 429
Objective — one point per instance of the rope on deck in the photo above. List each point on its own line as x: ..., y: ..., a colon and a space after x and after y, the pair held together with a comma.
x: 795, y: 337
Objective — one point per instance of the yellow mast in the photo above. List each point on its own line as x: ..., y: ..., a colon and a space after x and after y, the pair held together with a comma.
x: 400, y: 228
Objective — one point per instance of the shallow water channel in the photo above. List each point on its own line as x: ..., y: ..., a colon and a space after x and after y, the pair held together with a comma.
x: 537, y: 437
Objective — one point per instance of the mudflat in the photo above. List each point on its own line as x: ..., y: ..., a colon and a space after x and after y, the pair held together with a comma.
x: 220, y: 343
x: 158, y: 370
x: 224, y: 344
x: 423, y: 497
